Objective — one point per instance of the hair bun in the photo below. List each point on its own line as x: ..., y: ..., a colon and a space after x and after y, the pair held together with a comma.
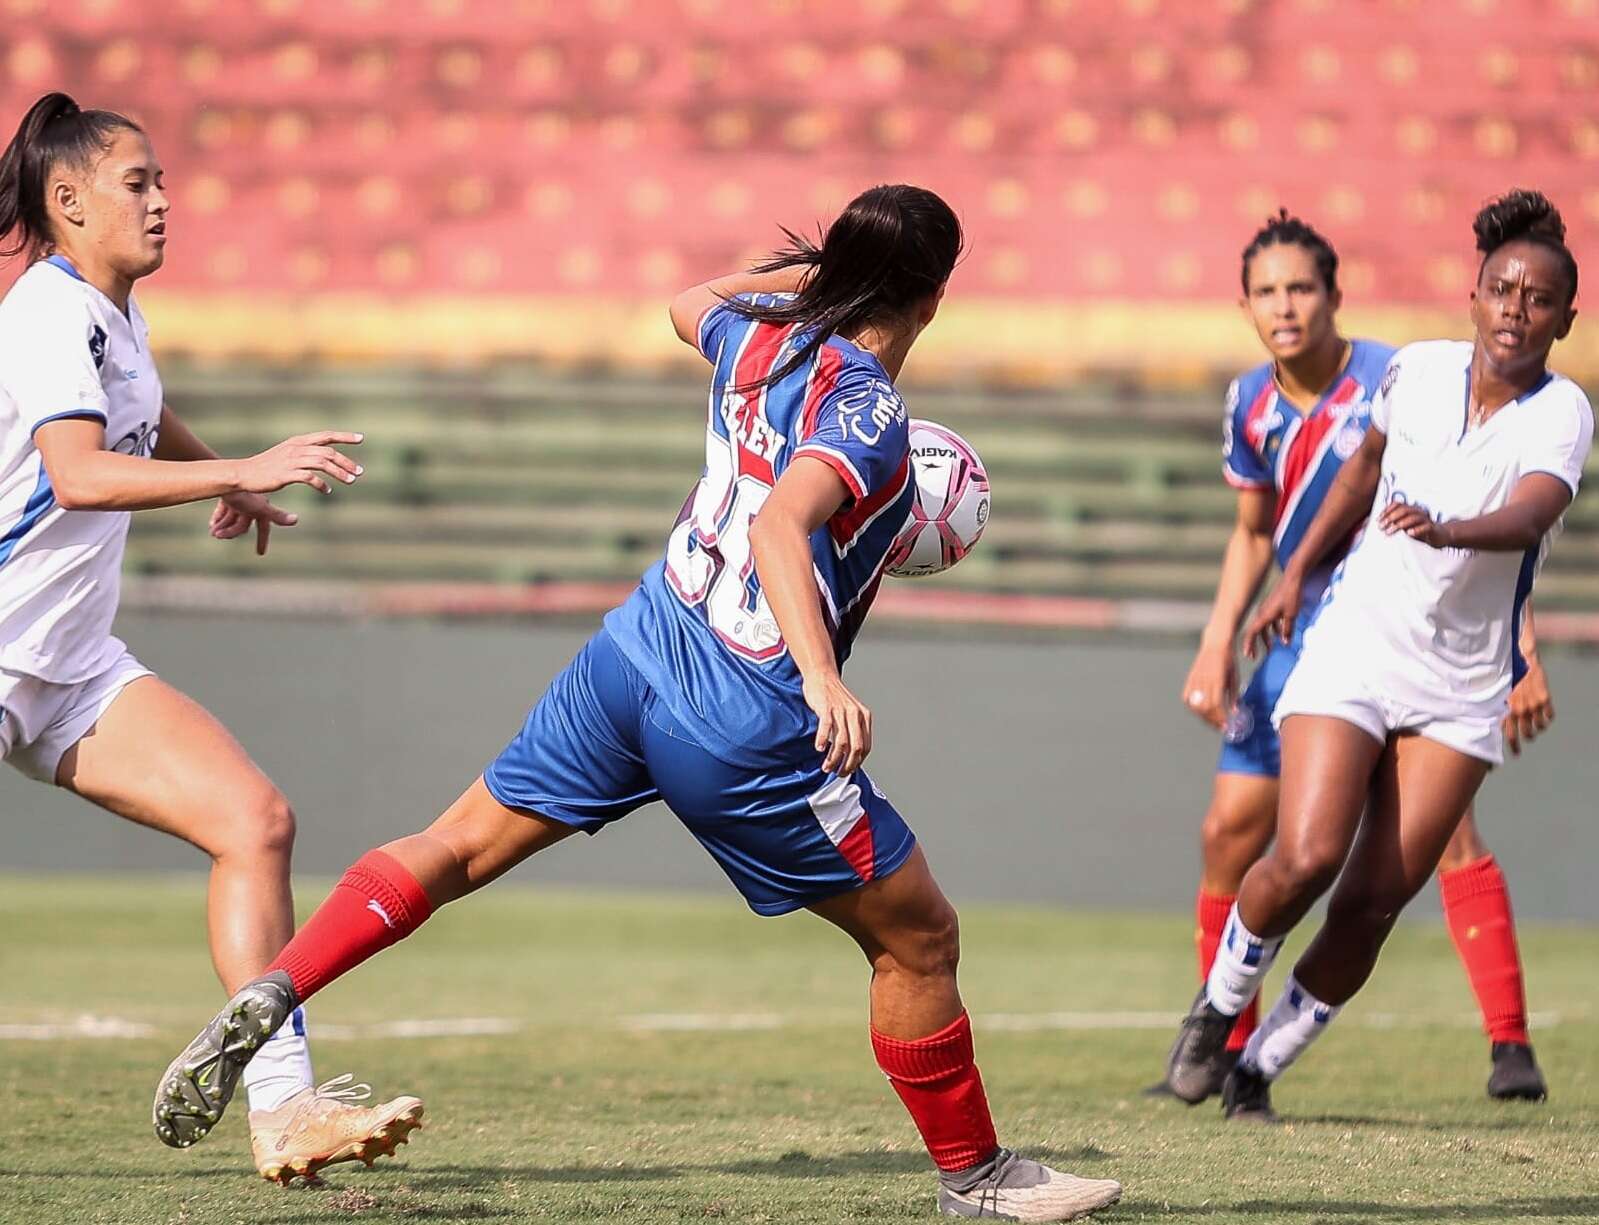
x: 1518, y: 214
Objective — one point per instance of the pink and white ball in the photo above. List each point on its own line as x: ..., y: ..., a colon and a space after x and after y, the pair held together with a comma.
x: 950, y: 509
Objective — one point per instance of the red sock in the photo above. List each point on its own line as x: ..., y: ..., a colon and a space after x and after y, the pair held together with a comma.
x: 1477, y: 909
x: 937, y: 1079
x: 1212, y: 910
x: 378, y: 903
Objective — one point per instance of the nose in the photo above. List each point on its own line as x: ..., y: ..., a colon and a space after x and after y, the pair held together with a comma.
x: 159, y: 201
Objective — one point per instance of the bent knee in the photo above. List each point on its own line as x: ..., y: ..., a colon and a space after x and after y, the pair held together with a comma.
x: 932, y: 949
x: 259, y: 824
x: 1231, y: 829
x: 1307, y: 870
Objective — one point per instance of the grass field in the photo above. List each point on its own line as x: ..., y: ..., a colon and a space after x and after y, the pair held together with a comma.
x: 602, y: 1101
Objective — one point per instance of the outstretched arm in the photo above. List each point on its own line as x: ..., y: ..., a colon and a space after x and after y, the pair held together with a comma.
x: 85, y: 476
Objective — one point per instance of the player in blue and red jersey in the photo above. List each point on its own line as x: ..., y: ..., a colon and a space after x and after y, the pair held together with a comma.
x: 1290, y: 424
x: 717, y: 688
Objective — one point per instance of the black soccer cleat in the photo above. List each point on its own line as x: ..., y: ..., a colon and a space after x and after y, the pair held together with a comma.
x: 1246, y: 1098
x: 1516, y: 1076
x: 1200, y: 1039
x: 198, y: 1085
x: 1220, y: 1067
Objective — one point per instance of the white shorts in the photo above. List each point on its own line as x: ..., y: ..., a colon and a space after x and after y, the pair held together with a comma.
x: 1339, y: 691
x: 41, y: 720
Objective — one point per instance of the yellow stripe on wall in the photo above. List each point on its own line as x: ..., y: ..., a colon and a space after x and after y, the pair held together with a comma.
x: 1028, y: 343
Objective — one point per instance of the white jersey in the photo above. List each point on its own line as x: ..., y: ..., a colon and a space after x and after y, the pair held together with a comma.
x: 65, y: 351
x: 1435, y: 626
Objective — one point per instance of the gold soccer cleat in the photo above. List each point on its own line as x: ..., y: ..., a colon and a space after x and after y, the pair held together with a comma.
x: 320, y: 1127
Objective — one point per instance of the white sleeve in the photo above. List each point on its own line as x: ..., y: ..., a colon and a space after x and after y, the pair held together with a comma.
x: 1381, y: 411
x: 1558, y: 444
x: 51, y: 355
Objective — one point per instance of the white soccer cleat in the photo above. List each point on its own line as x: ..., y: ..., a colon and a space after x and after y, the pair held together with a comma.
x: 1018, y: 1189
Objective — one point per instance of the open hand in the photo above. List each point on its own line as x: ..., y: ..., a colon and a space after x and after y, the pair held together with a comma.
x: 844, y: 725
x: 305, y: 459
x: 235, y: 512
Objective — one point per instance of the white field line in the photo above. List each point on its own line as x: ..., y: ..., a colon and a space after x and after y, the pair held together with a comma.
x: 109, y: 1028
x: 79, y: 1027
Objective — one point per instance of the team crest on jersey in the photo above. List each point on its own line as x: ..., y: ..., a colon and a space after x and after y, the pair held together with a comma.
x: 1240, y: 725
x: 1347, y: 441
x: 97, y: 339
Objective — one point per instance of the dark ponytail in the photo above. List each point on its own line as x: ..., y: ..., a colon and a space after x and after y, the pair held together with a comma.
x: 1524, y: 216
x: 54, y: 130
x: 889, y: 249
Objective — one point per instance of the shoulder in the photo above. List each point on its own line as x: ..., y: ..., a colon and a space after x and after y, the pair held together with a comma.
x: 1567, y: 399
x: 46, y: 289
x: 1248, y: 387
x: 1427, y: 361
x: 48, y: 311
x: 1368, y: 359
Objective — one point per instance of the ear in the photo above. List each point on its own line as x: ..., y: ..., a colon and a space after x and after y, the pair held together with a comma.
x: 64, y: 199
x: 1336, y: 300
x: 1564, y: 329
x: 929, y: 307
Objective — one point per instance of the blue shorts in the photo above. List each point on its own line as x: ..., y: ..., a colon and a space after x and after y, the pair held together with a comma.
x: 600, y: 744
x: 1249, y: 741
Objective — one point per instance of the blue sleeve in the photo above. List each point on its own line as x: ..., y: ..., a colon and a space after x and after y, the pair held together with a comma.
x: 1240, y: 463
x: 862, y: 432
x: 719, y: 320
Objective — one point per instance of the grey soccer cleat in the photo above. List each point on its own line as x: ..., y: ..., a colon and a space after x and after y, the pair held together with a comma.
x: 1203, y: 1036
x: 1017, y: 1189
x: 197, y: 1085
x: 1220, y: 1068
x: 1246, y: 1098
x: 1515, y: 1074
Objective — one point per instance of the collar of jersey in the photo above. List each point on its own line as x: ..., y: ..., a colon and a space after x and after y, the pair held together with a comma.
x: 1321, y: 400
x: 63, y: 263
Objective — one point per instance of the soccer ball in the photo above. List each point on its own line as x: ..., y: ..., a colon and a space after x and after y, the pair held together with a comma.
x: 950, y: 509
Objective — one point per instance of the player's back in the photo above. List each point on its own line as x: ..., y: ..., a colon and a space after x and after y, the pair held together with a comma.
x: 699, y: 627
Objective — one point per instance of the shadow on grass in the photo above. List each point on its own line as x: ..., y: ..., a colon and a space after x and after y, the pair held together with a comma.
x: 1312, y: 1211
x: 794, y: 1164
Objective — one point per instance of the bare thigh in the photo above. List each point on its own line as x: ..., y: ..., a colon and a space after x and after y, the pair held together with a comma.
x: 159, y: 758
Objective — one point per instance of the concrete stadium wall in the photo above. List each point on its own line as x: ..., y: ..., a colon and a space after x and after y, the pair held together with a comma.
x: 1060, y: 773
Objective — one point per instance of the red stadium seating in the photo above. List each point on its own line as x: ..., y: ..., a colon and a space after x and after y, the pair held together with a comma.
x: 623, y: 146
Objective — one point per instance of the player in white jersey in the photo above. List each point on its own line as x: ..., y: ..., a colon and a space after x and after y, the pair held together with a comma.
x: 1474, y: 452
x: 85, y: 438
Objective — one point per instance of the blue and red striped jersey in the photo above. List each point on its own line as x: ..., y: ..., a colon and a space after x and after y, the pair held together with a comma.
x: 699, y: 627
x: 1267, y: 443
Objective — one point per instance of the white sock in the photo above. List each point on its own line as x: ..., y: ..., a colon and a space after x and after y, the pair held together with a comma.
x: 282, y: 1067
x: 1242, y: 960
x: 1296, y: 1021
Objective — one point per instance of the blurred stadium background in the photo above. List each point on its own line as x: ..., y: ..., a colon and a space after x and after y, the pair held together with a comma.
x: 455, y: 225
